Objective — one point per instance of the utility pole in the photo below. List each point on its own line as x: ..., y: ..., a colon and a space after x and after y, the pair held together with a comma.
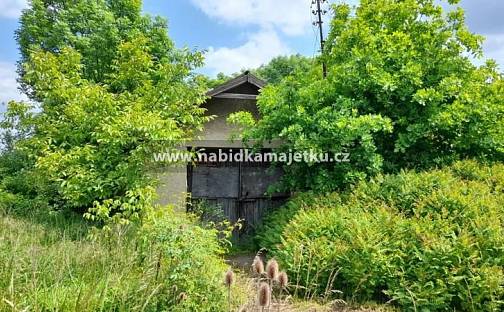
x: 318, y: 13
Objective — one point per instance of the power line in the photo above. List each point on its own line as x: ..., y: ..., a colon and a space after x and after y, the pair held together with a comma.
x: 319, y: 12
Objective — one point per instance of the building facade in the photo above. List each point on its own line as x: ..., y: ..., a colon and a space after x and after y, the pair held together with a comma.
x: 239, y: 188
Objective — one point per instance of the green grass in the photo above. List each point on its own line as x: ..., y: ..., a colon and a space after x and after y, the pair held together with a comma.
x: 58, y: 262
x: 52, y: 264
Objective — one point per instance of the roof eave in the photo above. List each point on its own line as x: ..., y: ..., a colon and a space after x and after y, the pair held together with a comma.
x: 244, y: 78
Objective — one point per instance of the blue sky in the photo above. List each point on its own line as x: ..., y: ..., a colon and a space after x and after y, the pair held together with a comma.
x: 241, y: 33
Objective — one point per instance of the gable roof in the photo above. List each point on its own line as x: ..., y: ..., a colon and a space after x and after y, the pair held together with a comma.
x: 245, y: 78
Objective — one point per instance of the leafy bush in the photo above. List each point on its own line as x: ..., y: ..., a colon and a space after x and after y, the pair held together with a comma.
x: 56, y: 262
x: 269, y: 234
x: 308, y: 115
x: 188, y: 262
x: 426, y: 241
x: 21, y: 191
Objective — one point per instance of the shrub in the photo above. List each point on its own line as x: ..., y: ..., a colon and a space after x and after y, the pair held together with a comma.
x: 187, y: 261
x: 426, y: 241
x: 269, y: 233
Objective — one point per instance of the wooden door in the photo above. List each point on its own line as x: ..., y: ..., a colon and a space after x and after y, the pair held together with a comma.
x: 238, y: 188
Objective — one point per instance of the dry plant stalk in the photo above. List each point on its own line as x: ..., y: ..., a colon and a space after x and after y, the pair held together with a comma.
x: 283, y: 282
x: 228, y: 281
x: 272, y: 269
x: 258, y: 266
x: 272, y: 273
x: 229, y: 278
x: 264, y: 296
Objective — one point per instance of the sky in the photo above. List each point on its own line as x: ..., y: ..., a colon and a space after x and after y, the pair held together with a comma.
x: 239, y: 34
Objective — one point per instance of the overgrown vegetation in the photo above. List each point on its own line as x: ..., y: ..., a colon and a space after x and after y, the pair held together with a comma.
x: 58, y: 262
x: 269, y: 233
x: 401, y: 92
x: 423, y: 241
x: 110, y: 89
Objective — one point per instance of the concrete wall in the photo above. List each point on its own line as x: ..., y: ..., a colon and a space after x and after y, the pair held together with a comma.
x: 218, y: 132
x: 172, y: 186
x: 173, y: 181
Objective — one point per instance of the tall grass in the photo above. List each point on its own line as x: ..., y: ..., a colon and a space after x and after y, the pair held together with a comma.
x: 57, y: 263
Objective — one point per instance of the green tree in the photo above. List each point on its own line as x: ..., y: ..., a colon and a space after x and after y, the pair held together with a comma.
x: 95, y: 29
x: 401, y: 91
x: 273, y: 72
x: 101, y: 116
x: 411, y: 62
x: 217, y: 81
x: 283, y: 66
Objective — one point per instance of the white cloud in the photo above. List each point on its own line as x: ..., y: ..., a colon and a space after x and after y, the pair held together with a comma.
x: 289, y: 17
x: 259, y: 49
x: 8, y: 84
x: 292, y: 17
x: 494, y: 48
x: 12, y: 8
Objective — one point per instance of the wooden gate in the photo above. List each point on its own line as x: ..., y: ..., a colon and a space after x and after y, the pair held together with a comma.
x: 238, y: 188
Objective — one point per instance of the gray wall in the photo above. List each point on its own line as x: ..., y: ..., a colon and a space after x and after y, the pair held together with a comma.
x: 173, y: 181
x: 217, y: 132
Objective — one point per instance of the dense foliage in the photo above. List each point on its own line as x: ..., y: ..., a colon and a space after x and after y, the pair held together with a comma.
x: 401, y: 92
x: 268, y: 235
x: 108, y: 88
x: 410, y: 61
x: 104, y: 105
x: 281, y: 67
x: 56, y: 263
x: 272, y: 72
x: 95, y: 29
x: 430, y: 241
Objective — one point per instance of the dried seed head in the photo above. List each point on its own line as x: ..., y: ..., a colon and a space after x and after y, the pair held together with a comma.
x: 258, y: 265
x: 264, y: 295
x: 272, y: 269
x: 229, y: 278
x: 182, y: 297
x: 283, y: 279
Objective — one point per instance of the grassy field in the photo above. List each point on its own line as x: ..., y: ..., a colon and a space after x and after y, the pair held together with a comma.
x: 52, y: 263
x: 57, y: 262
